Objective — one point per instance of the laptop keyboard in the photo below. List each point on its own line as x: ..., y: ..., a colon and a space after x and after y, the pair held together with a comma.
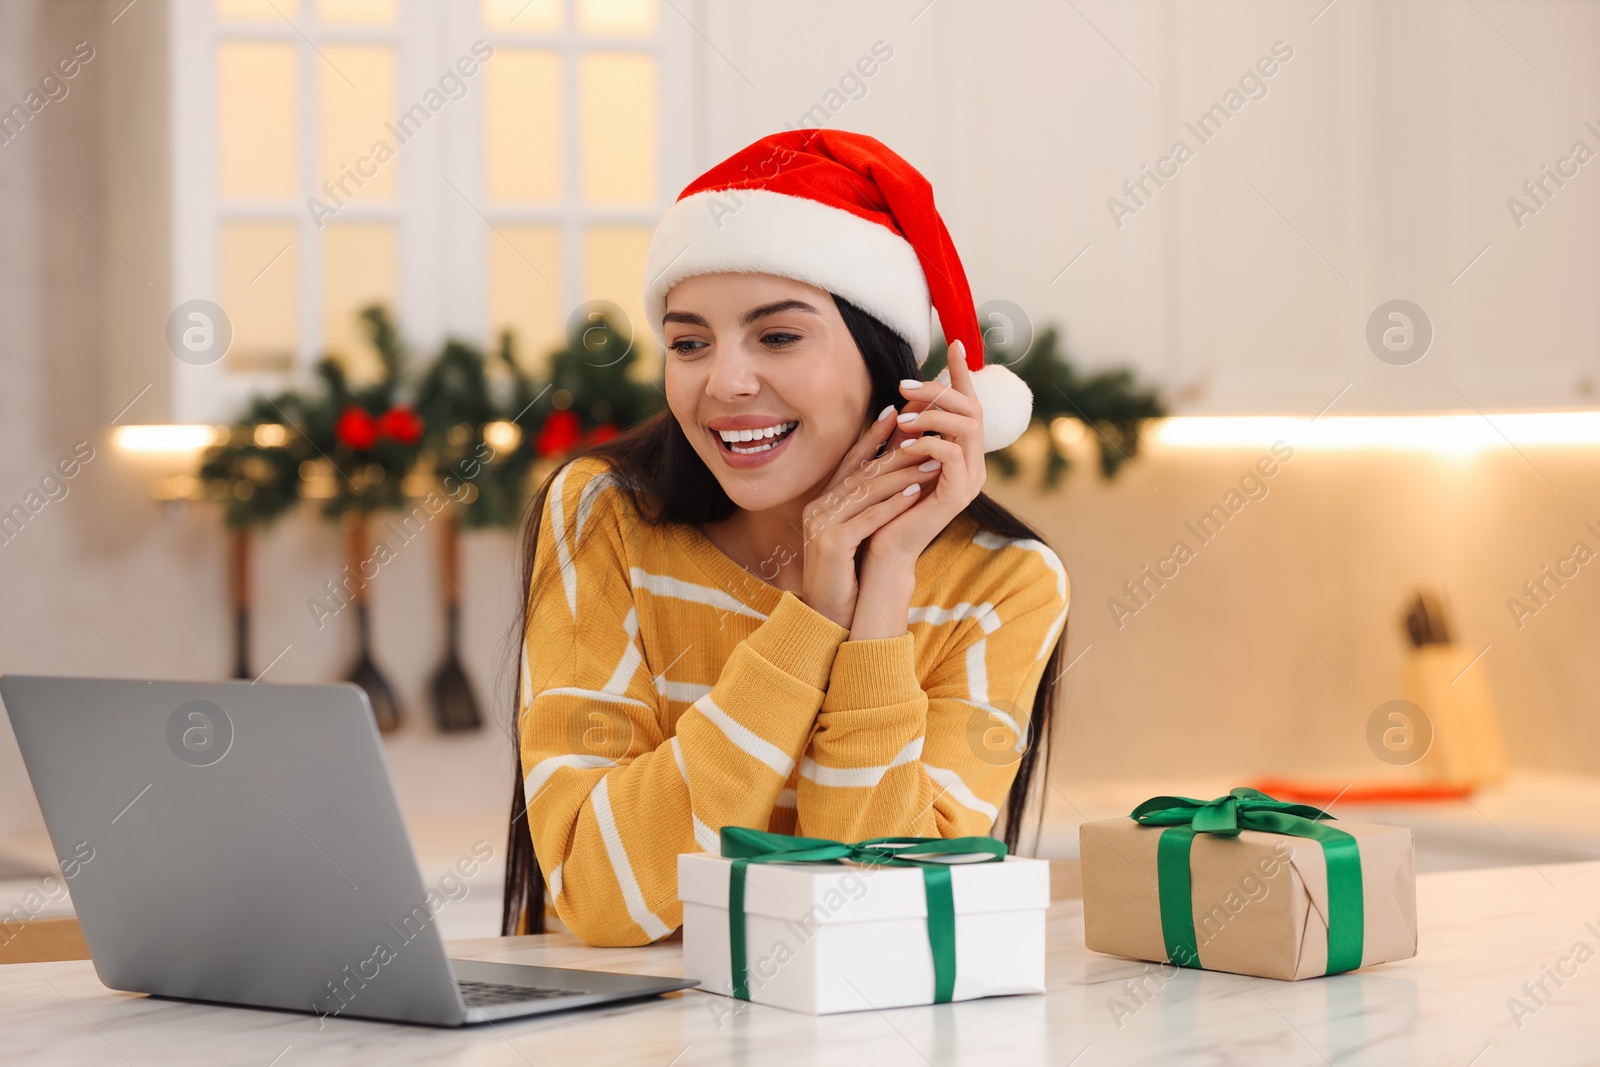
x: 490, y: 994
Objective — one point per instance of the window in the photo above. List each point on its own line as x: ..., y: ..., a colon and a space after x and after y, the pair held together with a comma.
x: 478, y: 166
x: 571, y: 185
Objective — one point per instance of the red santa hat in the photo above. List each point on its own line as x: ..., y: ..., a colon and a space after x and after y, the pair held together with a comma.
x: 840, y: 211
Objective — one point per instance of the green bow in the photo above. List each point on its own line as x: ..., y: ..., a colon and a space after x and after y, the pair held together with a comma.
x: 745, y: 846
x: 1250, y: 809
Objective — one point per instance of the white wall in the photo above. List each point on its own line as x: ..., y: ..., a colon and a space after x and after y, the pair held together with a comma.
x: 1390, y: 142
x: 1212, y: 676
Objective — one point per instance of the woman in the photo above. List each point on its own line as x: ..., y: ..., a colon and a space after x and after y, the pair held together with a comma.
x: 773, y: 605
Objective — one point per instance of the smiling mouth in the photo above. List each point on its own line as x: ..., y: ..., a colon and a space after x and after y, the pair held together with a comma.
x: 758, y: 445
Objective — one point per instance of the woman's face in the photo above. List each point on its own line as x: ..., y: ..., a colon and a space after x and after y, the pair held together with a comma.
x: 756, y: 351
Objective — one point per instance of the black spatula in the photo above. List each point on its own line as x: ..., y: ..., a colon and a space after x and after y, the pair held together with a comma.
x: 365, y: 673
x: 455, y: 708
x: 239, y: 586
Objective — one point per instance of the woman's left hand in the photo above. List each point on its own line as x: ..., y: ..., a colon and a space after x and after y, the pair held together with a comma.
x: 952, y: 411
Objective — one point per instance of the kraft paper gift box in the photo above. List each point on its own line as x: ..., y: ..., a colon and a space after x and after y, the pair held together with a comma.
x: 1248, y: 884
x: 822, y: 937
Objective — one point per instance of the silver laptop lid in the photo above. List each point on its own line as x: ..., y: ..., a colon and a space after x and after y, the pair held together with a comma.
x: 234, y: 842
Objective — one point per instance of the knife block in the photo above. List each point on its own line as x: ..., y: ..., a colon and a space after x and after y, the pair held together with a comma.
x: 1468, y: 746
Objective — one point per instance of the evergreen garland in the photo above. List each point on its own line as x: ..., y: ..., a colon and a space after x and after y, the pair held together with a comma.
x: 591, y: 393
x: 489, y: 423
x: 458, y: 406
x: 369, y: 437
x: 1111, y: 404
x: 255, y: 472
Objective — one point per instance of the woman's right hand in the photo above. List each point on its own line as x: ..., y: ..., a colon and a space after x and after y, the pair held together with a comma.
x: 866, y: 491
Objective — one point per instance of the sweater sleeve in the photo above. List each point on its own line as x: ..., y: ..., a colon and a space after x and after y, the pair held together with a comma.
x: 895, y: 755
x: 612, y: 800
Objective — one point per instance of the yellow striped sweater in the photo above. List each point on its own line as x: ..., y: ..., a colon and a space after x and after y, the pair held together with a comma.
x: 668, y: 692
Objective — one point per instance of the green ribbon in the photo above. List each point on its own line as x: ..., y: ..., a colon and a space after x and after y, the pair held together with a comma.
x: 745, y: 846
x: 1250, y: 809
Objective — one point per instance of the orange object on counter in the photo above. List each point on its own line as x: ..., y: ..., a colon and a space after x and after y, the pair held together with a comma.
x: 1324, y: 793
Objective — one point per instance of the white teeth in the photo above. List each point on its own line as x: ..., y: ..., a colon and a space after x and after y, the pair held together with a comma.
x: 756, y: 435
x: 768, y: 438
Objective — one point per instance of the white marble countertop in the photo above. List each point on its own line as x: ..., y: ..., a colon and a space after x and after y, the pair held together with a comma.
x: 1483, y: 934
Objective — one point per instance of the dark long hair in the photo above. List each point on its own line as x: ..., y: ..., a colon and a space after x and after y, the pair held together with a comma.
x: 666, y: 481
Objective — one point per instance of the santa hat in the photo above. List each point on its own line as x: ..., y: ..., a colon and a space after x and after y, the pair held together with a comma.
x: 840, y: 211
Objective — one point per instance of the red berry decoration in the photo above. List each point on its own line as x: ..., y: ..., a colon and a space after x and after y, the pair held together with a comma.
x: 356, y: 429
x: 402, y: 424
x: 559, y: 433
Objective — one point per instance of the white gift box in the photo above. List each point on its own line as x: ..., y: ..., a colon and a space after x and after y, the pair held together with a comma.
x: 823, y: 937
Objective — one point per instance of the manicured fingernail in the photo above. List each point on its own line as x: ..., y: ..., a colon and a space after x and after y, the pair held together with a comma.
x: 908, y: 442
x: 884, y: 414
x: 931, y: 465
x: 913, y: 489
x: 911, y: 383
x: 906, y: 416
x: 958, y: 348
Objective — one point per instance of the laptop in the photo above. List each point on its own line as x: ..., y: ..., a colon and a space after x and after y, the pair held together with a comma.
x: 243, y: 844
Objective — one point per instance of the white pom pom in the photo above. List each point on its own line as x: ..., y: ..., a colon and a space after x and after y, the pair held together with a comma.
x: 1007, y: 403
